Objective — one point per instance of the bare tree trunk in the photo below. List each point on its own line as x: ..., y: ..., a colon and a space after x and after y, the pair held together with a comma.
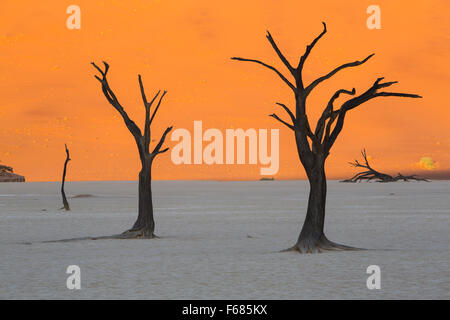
x: 145, y: 223
x: 312, y: 230
x: 65, y: 203
x: 312, y: 238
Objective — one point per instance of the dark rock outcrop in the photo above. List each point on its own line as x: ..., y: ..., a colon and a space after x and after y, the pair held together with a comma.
x: 7, y: 175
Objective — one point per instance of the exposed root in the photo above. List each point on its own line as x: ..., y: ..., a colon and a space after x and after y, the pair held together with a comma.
x: 83, y: 195
x: 319, y: 246
x: 142, y: 233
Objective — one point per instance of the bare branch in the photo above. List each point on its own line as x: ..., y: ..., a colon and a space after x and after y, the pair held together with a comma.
x: 112, y: 99
x: 163, y: 150
x: 372, y: 92
x: 144, y: 99
x: 366, y: 161
x: 280, y: 55
x: 273, y: 115
x: 396, y: 94
x: 357, y: 101
x: 103, y: 73
x: 309, y: 132
x: 141, y: 86
x: 148, y: 122
x: 309, y: 48
x: 157, y: 106
x: 67, y: 153
x: 271, y: 68
x: 160, y: 143
x: 289, y: 112
x: 147, y: 114
x: 328, y: 112
x: 333, y: 116
x: 332, y: 73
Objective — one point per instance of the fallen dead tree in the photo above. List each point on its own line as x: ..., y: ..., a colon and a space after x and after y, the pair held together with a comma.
x: 370, y: 173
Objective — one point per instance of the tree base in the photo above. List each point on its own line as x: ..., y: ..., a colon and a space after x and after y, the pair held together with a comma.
x: 310, y: 245
x: 142, y: 233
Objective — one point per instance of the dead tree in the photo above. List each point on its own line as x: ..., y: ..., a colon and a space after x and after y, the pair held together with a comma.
x: 411, y: 177
x: 64, y: 199
x: 370, y: 173
x: 144, y: 226
x: 313, y: 147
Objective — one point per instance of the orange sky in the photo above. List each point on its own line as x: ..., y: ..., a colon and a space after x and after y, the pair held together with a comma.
x: 49, y: 96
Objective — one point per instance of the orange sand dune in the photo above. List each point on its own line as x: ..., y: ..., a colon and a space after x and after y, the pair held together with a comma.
x: 49, y: 95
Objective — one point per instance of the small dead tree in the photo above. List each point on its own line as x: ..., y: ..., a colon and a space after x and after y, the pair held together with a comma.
x: 144, y: 226
x: 64, y: 199
x: 313, y: 147
x: 371, y: 174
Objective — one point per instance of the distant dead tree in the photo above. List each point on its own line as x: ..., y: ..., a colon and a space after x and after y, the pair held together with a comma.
x: 313, y: 147
x: 65, y: 203
x: 371, y: 174
x: 144, y: 226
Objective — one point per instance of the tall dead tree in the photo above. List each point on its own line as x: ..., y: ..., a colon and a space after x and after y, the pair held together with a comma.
x: 144, y: 226
x: 370, y: 173
x: 64, y: 199
x: 313, y: 147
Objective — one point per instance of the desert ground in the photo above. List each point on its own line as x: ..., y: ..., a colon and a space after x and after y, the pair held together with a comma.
x: 221, y: 240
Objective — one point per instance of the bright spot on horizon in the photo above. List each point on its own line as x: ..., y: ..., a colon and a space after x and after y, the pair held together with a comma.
x: 427, y: 163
